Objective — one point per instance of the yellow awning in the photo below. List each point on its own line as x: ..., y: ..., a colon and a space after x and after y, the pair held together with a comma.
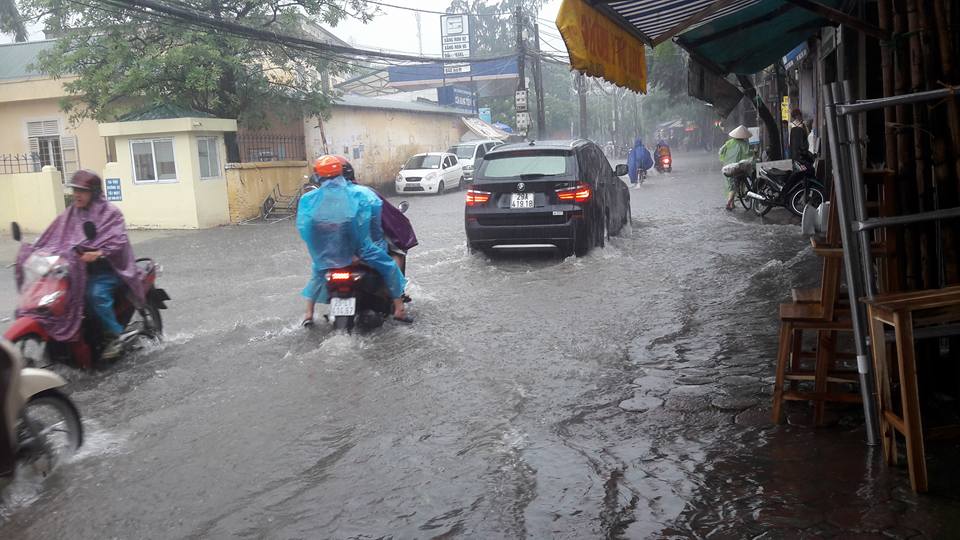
x: 598, y: 47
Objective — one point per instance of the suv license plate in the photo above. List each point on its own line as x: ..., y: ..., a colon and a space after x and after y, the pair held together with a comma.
x: 343, y: 307
x: 521, y: 200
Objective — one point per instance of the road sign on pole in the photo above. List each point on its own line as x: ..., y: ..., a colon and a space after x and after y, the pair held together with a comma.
x: 455, y: 41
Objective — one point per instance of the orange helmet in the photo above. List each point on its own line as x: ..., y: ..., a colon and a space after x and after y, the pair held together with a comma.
x: 328, y: 167
x: 347, y: 169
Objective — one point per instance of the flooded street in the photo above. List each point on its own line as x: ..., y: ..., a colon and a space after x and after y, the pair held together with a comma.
x: 623, y: 394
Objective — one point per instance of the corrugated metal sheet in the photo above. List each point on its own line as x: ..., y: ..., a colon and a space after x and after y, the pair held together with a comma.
x: 16, y: 59
x: 653, y: 18
x: 388, y: 104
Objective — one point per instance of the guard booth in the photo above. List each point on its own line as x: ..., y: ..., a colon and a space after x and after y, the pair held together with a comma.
x: 169, y: 171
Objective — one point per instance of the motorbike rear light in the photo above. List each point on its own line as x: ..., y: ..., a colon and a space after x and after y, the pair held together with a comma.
x: 582, y: 193
x: 477, y: 198
x: 666, y: 161
x: 339, y: 276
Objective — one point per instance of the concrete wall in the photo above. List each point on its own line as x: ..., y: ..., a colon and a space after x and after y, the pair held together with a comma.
x: 248, y: 184
x: 384, y: 139
x: 31, y: 199
x: 31, y: 100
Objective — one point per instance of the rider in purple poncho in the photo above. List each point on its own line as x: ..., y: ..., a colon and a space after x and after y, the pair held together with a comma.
x: 106, y: 262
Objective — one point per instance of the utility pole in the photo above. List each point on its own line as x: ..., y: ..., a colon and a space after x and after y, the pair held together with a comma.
x: 521, y: 111
x: 538, y: 85
x: 582, y: 92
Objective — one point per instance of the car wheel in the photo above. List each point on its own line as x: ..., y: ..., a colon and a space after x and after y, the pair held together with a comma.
x: 440, y: 188
x: 582, y: 241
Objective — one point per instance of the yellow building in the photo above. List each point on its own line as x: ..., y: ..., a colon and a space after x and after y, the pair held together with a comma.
x: 32, y: 119
x: 170, y: 168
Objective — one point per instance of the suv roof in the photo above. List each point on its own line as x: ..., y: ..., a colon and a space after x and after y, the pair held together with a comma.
x: 563, y: 144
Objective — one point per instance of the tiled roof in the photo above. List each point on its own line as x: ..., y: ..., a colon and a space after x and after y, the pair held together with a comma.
x: 16, y: 59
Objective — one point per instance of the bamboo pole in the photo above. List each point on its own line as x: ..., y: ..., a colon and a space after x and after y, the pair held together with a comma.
x: 886, y: 63
x: 950, y: 153
x: 906, y: 194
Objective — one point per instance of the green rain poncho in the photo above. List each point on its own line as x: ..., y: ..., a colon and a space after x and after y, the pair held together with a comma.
x: 732, y: 151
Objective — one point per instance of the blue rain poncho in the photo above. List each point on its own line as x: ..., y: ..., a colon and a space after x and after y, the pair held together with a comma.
x: 337, y: 222
x: 638, y: 159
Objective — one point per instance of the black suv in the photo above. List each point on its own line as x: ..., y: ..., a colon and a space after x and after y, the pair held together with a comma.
x: 559, y: 193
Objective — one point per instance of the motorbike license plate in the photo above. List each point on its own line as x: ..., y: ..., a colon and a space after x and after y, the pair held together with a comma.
x: 521, y: 200
x: 343, y: 307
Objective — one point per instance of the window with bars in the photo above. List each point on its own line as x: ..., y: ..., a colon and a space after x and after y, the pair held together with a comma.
x: 153, y: 161
x: 52, y: 148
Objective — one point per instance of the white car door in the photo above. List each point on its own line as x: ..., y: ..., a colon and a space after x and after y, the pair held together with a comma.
x: 455, y: 171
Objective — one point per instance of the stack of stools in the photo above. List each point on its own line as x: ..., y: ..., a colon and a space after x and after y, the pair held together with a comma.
x: 826, y: 311
x: 823, y: 310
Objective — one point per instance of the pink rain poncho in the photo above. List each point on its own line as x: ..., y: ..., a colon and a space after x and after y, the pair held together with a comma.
x: 66, y: 233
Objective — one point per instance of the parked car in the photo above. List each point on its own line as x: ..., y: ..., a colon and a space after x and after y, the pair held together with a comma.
x: 433, y: 172
x: 470, y: 153
x: 553, y: 193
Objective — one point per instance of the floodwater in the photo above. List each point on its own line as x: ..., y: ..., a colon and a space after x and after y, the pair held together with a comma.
x: 623, y: 394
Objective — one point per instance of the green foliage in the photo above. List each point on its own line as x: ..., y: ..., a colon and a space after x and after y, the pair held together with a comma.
x: 10, y: 20
x: 124, y: 60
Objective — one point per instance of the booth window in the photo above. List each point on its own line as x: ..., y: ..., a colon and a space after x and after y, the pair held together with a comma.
x: 153, y: 161
x: 209, y: 157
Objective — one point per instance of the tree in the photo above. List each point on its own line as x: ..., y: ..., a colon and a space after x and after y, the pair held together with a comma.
x: 11, y: 22
x: 126, y: 59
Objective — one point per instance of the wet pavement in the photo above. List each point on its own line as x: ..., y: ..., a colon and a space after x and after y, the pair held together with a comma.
x: 623, y: 394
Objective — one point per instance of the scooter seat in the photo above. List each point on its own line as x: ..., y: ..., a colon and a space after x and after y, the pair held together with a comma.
x: 773, y: 171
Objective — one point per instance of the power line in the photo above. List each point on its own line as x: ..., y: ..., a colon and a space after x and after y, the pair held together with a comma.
x: 196, y: 18
x: 418, y: 10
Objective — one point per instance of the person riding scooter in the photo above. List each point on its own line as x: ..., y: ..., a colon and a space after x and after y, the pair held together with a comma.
x: 103, y: 264
x: 662, y: 160
x: 339, y: 222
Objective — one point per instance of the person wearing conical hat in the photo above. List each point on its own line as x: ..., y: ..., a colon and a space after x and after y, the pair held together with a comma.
x: 737, y: 148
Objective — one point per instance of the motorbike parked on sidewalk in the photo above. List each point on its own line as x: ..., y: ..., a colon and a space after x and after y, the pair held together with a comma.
x: 46, y: 422
x: 790, y: 189
x: 742, y: 173
x: 46, y: 292
x: 358, y: 295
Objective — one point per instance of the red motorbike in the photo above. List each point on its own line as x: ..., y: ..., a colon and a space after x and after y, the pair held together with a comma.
x: 46, y: 292
x: 664, y: 162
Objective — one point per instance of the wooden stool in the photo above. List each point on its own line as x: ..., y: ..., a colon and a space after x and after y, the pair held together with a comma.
x: 912, y: 315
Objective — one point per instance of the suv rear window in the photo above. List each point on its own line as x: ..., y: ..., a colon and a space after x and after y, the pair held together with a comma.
x: 526, y: 165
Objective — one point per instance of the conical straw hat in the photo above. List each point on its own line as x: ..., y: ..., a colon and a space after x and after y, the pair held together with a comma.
x: 740, y: 133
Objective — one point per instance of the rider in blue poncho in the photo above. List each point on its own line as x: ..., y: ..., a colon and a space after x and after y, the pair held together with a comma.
x: 638, y: 161
x: 337, y: 221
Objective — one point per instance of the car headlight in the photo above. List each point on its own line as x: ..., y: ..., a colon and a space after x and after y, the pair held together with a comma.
x: 468, y: 167
x: 399, y: 178
x: 430, y: 176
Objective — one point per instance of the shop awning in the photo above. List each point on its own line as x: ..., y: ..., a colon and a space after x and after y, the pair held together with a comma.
x: 728, y: 36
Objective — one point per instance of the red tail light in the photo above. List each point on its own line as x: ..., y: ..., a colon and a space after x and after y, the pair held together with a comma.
x: 582, y: 193
x: 477, y: 198
x: 339, y: 276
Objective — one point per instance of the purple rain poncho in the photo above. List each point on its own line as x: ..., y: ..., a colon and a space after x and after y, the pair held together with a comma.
x: 60, y: 238
x: 336, y: 221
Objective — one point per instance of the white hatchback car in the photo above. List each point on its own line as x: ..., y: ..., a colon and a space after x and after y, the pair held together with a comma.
x: 433, y: 172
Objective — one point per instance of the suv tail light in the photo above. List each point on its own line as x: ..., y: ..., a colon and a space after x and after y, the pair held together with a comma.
x: 477, y: 198
x: 582, y: 193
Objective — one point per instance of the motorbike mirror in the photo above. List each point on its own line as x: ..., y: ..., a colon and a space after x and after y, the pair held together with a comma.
x: 404, y: 205
x: 15, y: 231
x: 89, y: 230
x: 621, y: 170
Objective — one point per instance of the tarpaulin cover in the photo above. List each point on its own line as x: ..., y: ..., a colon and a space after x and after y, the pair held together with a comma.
x: 704, y: 85
x: 66, y: 233
x: 599, y: 47
x: 336, y: 222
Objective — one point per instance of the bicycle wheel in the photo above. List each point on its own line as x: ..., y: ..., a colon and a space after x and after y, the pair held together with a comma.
x: 742, y: 187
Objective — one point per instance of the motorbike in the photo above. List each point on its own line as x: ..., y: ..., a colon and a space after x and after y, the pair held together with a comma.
x: 663, y: 162
x: 791, y: 189
x: 46, y: 422
x: 358, y: 296
x: 46, y: 291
